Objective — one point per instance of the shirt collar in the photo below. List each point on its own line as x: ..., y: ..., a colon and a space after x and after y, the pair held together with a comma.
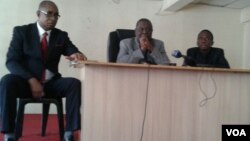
x: 41, y: 30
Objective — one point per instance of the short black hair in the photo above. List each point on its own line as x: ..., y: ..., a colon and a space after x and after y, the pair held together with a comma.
x: 45, y: 3
x: 208, y: 32
x: 145, y: 20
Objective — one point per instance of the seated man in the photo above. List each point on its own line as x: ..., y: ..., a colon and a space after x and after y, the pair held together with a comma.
x: 32, y: 59
x: 142, y: 48
x: 205, y: 55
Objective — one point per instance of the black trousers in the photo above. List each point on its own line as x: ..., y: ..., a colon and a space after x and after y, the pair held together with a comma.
x: 13, y: 86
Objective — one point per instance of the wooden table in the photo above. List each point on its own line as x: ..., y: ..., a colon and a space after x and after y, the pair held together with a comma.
x: 130, y: 102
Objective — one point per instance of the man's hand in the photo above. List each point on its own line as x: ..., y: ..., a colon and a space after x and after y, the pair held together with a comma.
x: 145, y: 44
x: 36, y: 88
x: 76, y: 57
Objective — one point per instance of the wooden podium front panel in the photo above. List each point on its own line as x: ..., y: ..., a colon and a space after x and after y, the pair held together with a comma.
x: 178, y: 109
x: 171, y: 103
x: 113, y: 103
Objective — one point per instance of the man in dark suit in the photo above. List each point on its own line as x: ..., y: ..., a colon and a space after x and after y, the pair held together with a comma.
x: 205, y: 55
x: 34, y: 70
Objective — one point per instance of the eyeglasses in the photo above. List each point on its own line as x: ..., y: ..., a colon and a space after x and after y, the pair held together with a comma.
x: 144, y: 30
x: 50, y: 14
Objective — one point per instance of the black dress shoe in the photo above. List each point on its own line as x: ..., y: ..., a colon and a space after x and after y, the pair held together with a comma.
x: 69, y: 138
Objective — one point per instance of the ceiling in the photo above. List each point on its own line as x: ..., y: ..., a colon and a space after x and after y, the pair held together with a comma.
x: 175, y: 5
x: 237, y: 4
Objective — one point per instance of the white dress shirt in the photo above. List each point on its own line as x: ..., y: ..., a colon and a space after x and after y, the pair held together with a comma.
x: 41, y: 31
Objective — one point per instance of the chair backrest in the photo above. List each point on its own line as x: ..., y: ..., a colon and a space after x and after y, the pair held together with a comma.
x: 113, y: 42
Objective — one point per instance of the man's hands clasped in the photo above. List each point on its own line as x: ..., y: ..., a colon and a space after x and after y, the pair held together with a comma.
x: 145, y: 44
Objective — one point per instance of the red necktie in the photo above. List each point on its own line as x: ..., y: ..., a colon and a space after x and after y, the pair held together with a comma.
x: 44, y: 48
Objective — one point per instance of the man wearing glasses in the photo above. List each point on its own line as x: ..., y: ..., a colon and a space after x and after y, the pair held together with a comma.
x: 32, y: 59
x: 142, y: 48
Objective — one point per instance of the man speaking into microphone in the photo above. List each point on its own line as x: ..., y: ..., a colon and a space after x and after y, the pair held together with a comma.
x: 142, y: 49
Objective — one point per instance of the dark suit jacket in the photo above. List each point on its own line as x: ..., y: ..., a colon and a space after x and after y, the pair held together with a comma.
x: 215, y: 58
x: 24, y: 57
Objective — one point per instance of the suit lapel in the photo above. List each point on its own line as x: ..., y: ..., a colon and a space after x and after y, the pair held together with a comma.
x: 135, y: 44
x: 35, y: 39
x: 52, y: 42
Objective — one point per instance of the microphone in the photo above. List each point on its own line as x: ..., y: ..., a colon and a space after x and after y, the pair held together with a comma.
x: 187, y: 60
x: 177, y: 54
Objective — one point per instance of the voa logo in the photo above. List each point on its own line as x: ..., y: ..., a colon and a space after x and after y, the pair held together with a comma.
x: 236, y: 132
